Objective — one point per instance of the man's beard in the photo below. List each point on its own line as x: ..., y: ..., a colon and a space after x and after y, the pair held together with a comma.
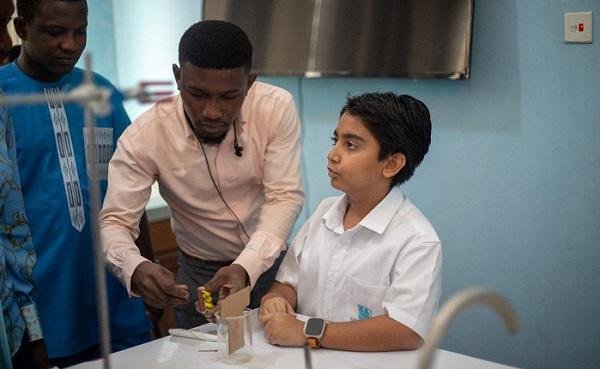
x: 210, y: 140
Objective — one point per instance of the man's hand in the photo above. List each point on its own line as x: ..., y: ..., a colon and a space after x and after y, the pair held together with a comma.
x: 157, y: 286
x: 227, y: 280
x: 275, y: 304
x: 284, y: 329
x: 209, y: 314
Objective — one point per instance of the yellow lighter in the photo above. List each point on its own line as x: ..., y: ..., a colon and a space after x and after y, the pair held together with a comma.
x: 207, y: 297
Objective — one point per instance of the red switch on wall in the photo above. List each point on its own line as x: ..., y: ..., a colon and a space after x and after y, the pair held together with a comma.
x: 578, y: 27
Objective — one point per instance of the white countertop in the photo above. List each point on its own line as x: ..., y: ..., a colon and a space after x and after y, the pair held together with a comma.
x: 182, y: 353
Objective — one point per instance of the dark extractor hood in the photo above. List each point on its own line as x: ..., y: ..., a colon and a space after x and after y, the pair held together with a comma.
x: 374, y: 38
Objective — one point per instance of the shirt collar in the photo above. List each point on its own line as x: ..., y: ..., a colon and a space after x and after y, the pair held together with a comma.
x: 378, y: 218
x: 334, y: 217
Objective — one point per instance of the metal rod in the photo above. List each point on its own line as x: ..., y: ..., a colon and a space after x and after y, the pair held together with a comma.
x: 307, y: 358
x: 313, y: 43
x: 84, y: 97
x: 94, y: 188
x: 458, y: 303
x: 32, y: 99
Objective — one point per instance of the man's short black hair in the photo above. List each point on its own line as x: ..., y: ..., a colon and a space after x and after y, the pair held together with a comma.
x: 400, y: 123
x: 215, y: 44
x: 27, y: 9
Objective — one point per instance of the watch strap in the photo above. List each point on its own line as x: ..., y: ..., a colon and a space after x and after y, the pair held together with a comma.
x: 313, y: 342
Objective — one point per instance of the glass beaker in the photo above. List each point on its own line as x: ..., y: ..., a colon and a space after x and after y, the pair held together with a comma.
x: 235, y: 338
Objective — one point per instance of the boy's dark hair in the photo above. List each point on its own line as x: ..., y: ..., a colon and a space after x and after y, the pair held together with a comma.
x: 400, y: 123
x: 27, y: 9
x: 215, y: 44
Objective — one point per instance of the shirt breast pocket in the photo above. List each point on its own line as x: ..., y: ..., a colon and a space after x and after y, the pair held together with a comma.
x: 100, y: 140
x: 364, y: 301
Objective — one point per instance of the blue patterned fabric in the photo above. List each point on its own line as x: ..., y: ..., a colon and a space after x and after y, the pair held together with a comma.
x: 17, y: 256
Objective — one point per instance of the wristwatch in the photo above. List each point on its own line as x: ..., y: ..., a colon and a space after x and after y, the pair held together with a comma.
x: 313, y: 331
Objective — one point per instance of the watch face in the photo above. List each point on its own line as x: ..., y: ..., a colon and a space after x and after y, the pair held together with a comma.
x: 314, y: 327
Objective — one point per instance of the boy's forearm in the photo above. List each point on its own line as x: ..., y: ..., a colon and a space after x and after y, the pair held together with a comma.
x: 283, y: 290
x: 380, y: 333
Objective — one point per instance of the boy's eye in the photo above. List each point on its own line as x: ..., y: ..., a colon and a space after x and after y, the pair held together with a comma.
x: 334, y: 140
x: 351, y: 145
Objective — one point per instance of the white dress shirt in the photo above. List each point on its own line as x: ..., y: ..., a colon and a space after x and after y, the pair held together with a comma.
x: 389, y: 262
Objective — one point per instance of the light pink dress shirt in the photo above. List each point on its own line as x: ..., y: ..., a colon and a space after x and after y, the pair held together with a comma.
x: 263, y: 187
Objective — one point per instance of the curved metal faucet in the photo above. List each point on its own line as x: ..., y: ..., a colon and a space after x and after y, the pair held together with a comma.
x: 457, y: 304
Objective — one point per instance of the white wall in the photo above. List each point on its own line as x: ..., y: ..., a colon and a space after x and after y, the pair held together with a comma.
x: 146, y: 34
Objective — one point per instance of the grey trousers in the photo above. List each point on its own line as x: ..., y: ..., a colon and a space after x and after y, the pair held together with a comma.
x: 196, y: 272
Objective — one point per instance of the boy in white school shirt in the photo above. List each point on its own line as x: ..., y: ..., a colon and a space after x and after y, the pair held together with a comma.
x: 366, y: 266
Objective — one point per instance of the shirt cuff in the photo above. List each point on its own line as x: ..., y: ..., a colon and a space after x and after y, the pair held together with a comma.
x: 32, y: 322
x: 251, y: 261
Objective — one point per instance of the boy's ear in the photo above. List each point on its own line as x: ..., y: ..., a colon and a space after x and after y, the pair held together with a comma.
x: 394, y: 164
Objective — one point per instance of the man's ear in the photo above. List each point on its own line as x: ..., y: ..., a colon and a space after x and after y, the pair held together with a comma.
x: 176, y: 74
x: 20, y: 28
x: 251, y: 79
x: 394, y: 164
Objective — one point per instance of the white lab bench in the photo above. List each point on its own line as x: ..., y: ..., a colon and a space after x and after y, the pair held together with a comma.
x: 182, y: 353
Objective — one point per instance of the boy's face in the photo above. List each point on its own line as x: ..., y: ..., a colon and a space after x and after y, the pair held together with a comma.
x: 353, y: 161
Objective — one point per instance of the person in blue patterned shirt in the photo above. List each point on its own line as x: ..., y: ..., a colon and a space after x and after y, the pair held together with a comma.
x: 20, y: 330
x: 21, y: 340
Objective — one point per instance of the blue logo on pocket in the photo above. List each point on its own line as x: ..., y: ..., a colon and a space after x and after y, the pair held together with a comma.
x: 364, y: 312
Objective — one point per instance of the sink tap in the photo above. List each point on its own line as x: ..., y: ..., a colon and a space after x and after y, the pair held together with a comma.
x: 457, y: 304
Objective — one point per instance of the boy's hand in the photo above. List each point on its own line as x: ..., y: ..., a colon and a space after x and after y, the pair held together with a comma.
x: 276, y: 304
x: 284, y: 329
x: 157, y: 286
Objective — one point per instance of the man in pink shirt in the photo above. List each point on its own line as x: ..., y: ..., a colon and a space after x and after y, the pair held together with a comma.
x: 226, y: 155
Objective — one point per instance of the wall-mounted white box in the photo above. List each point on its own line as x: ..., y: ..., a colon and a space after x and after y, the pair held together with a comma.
x: 578, y: 27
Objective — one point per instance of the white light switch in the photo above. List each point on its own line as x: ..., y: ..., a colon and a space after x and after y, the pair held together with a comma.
x: 578, y: 27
